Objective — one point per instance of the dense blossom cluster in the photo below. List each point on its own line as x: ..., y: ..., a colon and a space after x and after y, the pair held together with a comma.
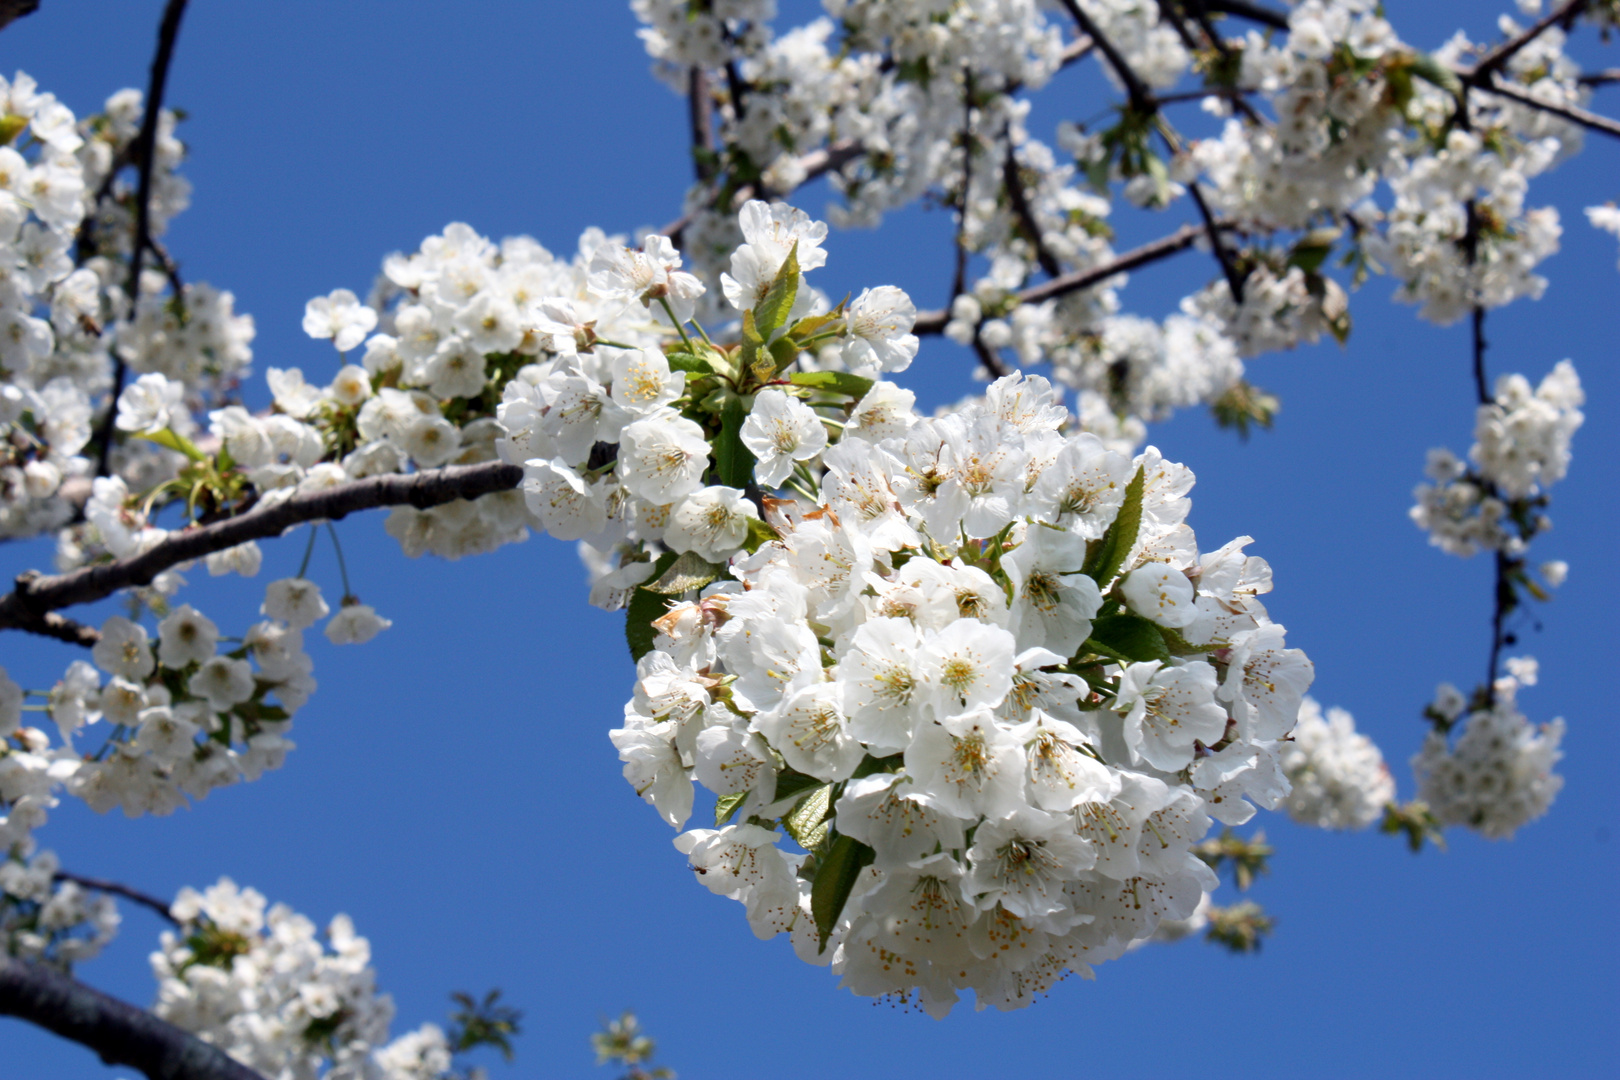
x: 263, y: 986
x: 66, y: 229
x: 1521, y: 448
x: 43, y: 918
x: 1497, y: 775
x: 1338, y: 775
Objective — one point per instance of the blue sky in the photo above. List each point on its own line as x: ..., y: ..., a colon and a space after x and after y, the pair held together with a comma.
x: 454, y: 789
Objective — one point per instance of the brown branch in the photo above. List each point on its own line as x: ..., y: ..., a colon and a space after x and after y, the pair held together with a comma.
x: 62, y: 628
x: 37, y: 594
x: 702, y: 120
x: 1135, y: 88
x: 1234, y: 279
x: 1277, y: 20
x: 117, y: 1031
x: 1013, y: 178
x: 145, y: 151
x: 1574, y: 114
x: 11, y: 10
x: 1491, y: 62
x: 1600, y: 78
x: 933, y: 322
x: 118, y: 889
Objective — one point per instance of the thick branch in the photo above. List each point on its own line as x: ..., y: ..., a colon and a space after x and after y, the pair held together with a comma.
x: 933, y: 322
x: 145, y: 151
x: 116, y: 1030
x: 37, y: 594
x: 1491, y: 62
x: 1572, y: 113
x: 118, y: 889
x: 1277, y: 20
x: 699, y: 106
x: 62, y: 628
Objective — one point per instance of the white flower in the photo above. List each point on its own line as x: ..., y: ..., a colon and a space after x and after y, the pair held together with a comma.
x: 779, y: 431
x: 1338, y: 775
x: 340, y: 317
x: 223, y: 682
x: 294, y: 601
x: 124, y: 649
x: 711, y: 522
x: 567, y: 506
x: 771, y: 232
x: 186, y: 636
x: 662, y: 457
x: 642, y: 380
x: 878, y: 325
x: 1167, y: 710
x: 152, y: 402
x: 1161, y: 593
x: 355, y: 624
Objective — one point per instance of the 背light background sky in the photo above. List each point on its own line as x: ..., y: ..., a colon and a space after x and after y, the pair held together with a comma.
x: 454, y: 789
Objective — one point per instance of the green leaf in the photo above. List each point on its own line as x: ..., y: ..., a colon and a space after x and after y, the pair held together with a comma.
x: 687, y: 362
x: 1117, y: 542
x: 791, y: 782
x: 759, y: 534
x: 733, y: 462
x: 809, y: 820
x: 808, y: 326
x: 772, y: 312
x: 1180, y: 646
x: 870, y: 765
x: 645, y: 606
x: 1129, y: 636
x: 783, y: 351
x: 690, y: 571
x: 838, y: 382
x: 835, y: 877
x: 166, y: 437
x: 726, y: 805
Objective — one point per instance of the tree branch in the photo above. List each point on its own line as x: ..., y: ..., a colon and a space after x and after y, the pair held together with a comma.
x: 1572, y: 113
x: 699, y: 107
x: 117, y: 1031
x: 37, y: 594
x: 118, y: 889
x: 1277, y: 20
x: 1016, y: 198
x: 145, y: 143
x: 1491, y: 62
x: 1234, y: 279
x: 1135, y: 88
x: 933, y: 322
x: 1600, y: 78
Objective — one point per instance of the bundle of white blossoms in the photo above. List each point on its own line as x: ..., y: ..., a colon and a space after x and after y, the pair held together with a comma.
x: 1338, y: 775
x: 43, y: 918
x: 1498, y: 775
x: 262, y: 987
x: 975, y: 667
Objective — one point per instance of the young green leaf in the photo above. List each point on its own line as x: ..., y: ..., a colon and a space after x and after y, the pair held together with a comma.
x: 839, y: 382
x: 167, y: 437
x: 772, y: 312
x: 733, y: 461
x: 645, y: 606
x: 835, y: 877
x: 1129, y: 636
x: 1116, y: 546
x: 690, y: 571
x: 726, y: 805
x: 810, y: 818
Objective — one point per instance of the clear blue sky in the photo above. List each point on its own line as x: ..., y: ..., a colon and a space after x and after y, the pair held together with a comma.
x: 454, y: 789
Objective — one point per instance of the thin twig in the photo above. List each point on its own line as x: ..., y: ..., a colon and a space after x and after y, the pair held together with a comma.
x: 1013, y: 178
x: 1234, y: 279
x: 145, y: 152
x: 1573, y: 113
x: 933, y: 322
x: 120, y: 889
x: 1491, y: 62
x: 1135, y: 88
x: 959, y: 280
x: 1481, y: 388
x: 36, y: 594
x: 1600, y: 78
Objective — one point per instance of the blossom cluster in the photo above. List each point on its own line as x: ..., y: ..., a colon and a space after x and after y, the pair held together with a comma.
x: 1338, y: 775
x: 50, y: 920
x: 1521, y: 448
x: 1497, y: 775
x: 262, y: 986
x: 66, y: 315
